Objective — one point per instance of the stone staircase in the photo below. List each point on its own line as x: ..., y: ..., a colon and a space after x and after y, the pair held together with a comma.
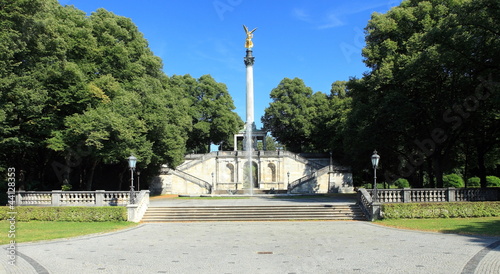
x: 254, y: 213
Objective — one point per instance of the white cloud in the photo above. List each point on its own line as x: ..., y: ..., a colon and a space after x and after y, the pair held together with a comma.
x: 337, y: 16
x: 332, y: 21
x: 301, y: 15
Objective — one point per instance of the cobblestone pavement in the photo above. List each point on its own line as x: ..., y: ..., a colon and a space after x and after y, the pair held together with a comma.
x: 260, y: 247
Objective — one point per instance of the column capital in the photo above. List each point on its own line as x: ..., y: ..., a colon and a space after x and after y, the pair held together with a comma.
x: 249, y: 59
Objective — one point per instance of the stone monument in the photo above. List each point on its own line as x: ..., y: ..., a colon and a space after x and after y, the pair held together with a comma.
x: 252, y: 171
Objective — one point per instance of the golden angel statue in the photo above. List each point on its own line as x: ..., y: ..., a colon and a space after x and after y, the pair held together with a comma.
x: 248, y: 42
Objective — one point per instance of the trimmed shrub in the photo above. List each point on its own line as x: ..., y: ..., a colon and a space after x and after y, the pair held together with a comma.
x: 474, y: 182
x: 441, y: 210
x: 492, y: 181
x: 453, y: 180
x: 401, y: 183
x: 370, y: 186
x: 66, y: 214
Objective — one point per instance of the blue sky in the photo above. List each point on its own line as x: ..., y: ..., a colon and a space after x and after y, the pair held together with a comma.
x: 319, y: 41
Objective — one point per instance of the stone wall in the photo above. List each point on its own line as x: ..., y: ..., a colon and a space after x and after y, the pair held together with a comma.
x: 228, y: 170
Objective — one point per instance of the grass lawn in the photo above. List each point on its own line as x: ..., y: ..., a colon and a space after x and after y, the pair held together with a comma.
x: 488, y: 226
x: 36, y: 230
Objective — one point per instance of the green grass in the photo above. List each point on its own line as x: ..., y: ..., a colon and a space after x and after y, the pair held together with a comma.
x: 487, y: 226
x: 37, y: 230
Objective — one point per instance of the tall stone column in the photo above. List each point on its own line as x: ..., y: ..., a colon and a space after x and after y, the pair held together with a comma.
x: 249, y: 61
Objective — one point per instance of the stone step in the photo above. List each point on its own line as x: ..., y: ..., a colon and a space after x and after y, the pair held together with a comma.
x: 253, y: 213
x: 245, y: 191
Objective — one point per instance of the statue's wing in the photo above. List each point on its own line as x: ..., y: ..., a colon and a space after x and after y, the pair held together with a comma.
x: 253, y: 30
x: 245, y: 28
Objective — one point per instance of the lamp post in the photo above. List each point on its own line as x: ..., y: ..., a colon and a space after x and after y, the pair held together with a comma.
x: 375, y: 159
x: 164, y: 169
x: 131, y: 164
x: 331, y: 162
x: 213, y: 186
x: 288, y: 187
x: 138, y: 180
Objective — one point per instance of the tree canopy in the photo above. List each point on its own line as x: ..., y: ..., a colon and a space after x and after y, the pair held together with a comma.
x: 429, y: 103
x: 79, y: 94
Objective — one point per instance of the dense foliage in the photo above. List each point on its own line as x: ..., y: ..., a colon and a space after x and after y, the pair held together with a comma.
x: 441, y: 210
x: 453, y: 180
x: 79, y: 94
x: 430, y: 103
x: 66, y: 214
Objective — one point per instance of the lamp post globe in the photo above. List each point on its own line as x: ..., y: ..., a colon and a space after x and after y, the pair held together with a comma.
x: 132, y: 161
x: 375, y: 159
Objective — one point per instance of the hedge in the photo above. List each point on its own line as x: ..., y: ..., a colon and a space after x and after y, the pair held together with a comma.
x: 65, y: 214
x: 453, y: 180
x: 441, y: 210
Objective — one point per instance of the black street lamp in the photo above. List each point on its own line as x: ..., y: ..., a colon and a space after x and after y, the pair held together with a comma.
x: 375, y: 160
x: 131, y: 164
x: 289, y: 186
x: 138, y: 180
x: 331, y: 162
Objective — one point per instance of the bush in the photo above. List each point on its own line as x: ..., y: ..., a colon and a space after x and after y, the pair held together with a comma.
x: 453, y: 180
x: 474, y: 182
x: 66, y: 214
x: 441, y: 210
x: 370, y: 186
x: 492, y: 181
x: 401, y: 183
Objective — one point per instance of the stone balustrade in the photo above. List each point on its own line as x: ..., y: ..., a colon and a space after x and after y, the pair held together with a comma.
x: 424, y: 195
x: 72, y: 198
x: 87, y: 198
x: 371, y: 208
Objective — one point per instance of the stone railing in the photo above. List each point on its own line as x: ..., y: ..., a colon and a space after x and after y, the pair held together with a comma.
x: 365, y: 202
x: 72, y: 198
x: 372, y: 209
x: 419, y: 195
x: 136, y: 211
x: 308, y: 178
x: 193, y: 179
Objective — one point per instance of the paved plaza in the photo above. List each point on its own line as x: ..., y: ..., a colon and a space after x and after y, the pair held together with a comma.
x: 260, y: 247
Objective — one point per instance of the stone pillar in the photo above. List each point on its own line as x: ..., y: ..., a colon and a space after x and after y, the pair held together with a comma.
x: 249, y: 61
x: 99, y: 198
x: 406, y: 195
x: 451, y: 195
x: 56, y: 197
x: 19, y: 197
x: 376, y: 211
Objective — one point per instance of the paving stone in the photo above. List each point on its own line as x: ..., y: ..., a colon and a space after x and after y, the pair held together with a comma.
x: 232, y: 247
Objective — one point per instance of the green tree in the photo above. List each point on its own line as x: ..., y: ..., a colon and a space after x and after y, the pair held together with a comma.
x: 212, y: 111
x: 430, y: 62
x: 288, y: 116
x: 81, y: 93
